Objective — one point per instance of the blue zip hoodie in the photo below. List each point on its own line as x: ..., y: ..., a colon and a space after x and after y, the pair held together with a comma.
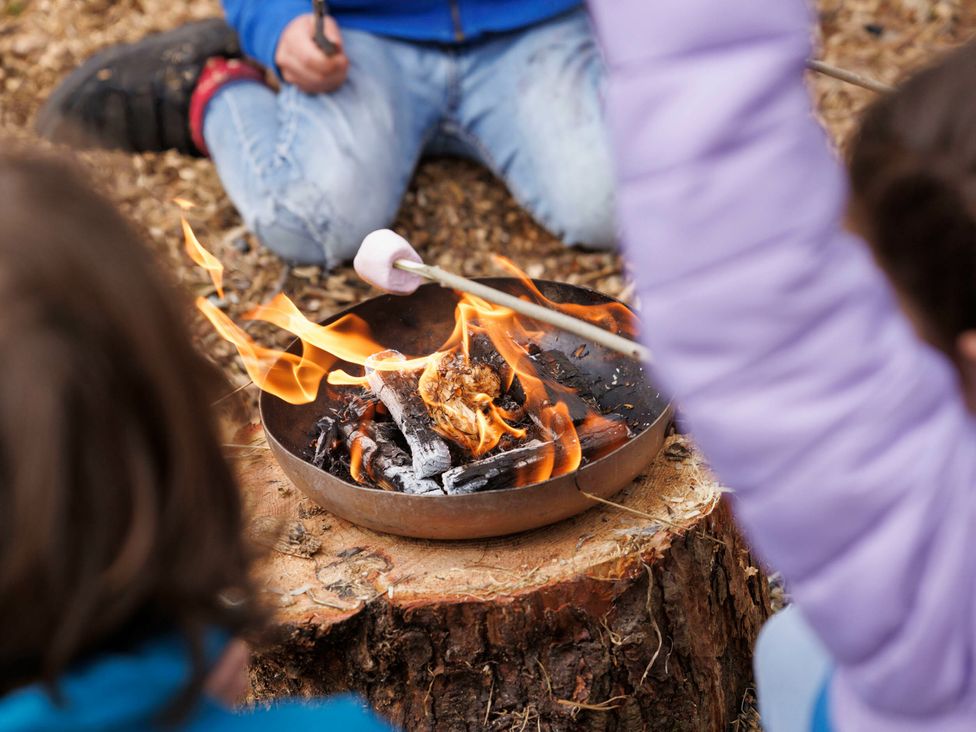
x: 259, y: 23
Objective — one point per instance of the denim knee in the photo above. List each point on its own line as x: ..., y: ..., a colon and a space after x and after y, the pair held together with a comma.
x: 297, y: 223
x: 583, y: 213
x: 576, y: 199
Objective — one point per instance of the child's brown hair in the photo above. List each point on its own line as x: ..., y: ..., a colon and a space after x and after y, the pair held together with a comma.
x: 119, y: 518
x: 913, y: 177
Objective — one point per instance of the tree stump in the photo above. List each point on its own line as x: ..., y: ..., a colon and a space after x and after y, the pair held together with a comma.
x: 633, y: 618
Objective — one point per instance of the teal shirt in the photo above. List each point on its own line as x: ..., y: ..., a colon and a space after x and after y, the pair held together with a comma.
x: 119, y: 692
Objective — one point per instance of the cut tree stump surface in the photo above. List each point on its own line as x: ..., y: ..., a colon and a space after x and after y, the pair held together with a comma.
x: 630, y: 618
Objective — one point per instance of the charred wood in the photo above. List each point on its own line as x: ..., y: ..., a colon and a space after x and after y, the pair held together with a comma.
x: 398, y: 391
x: 564, y: 383
x: 497, y: 471
x: 596, y: 439
x: 327, y: 441
x: 557, y: 366
x: 385, y: 462
x: 601, y: 436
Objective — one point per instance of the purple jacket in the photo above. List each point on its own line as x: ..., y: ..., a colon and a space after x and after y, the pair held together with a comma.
x: 845, y: 438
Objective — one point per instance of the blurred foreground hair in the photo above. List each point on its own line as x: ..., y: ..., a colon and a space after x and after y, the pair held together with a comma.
x: 119, y: 518
x: 913, y: 177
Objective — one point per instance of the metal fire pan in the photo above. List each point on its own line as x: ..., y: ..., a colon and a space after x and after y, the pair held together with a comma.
x: 417, y: 324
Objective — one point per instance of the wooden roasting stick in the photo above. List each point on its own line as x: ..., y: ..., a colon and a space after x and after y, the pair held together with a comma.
x: 399, y: 392
x: 568, y: 323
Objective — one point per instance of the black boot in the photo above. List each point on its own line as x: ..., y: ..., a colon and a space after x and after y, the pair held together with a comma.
x: 136, y: 96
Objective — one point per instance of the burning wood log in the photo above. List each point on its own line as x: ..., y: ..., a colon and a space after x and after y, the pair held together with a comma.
x: 556, y: 366
x: 482, y: 350
x: 498, y: 471
x: 552, y: 367
x: 597, y: 437
x: 390, y: 467
x: 398, y: 390
x: 374, y: 444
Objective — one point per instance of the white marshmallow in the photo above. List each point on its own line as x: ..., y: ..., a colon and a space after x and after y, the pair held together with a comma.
x: 375, y: 258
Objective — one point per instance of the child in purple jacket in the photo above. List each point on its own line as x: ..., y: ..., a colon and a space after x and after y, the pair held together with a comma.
x: 833, y: 403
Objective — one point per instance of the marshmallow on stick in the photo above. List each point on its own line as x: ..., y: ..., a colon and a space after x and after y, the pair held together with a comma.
x: 387, y: 261
x: 376, y: 259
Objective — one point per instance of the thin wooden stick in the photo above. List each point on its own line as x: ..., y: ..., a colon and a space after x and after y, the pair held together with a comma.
x: 229, y: 394
x: 849, y: 76
x: 532, y: 310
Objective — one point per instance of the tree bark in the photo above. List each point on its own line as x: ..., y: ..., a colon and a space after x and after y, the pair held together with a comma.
x: 641, y: 618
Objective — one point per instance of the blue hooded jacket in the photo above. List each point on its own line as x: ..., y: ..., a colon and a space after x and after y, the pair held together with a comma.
x: 259, y: 23
x: 122, y: 692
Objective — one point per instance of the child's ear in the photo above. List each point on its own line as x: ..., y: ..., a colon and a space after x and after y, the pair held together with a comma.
x: 966, y: 359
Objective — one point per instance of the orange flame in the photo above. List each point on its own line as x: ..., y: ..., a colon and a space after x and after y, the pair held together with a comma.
x: 613, y: 316
x: 196, y: 251
x: 359, y: 469
x: 356, y: 460
x: 346, y: 338
x: 290, y: 377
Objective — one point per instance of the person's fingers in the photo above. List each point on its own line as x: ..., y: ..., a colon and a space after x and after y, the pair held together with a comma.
x: 304, y: 80
x: 313, y: 83
x: 304, y: 64
x: 312, y: 60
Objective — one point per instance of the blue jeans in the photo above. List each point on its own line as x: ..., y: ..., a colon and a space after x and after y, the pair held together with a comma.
x: 313, y: 174
x: 792, y: 668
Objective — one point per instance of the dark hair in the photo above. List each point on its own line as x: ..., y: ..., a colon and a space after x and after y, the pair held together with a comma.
x: 119, y: 518
x: 913, y: 177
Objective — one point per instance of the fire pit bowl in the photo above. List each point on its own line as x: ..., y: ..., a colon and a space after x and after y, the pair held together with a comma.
x: 418, y: 324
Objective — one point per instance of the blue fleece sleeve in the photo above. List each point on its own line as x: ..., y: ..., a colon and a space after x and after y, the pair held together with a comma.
x: 259, y: 24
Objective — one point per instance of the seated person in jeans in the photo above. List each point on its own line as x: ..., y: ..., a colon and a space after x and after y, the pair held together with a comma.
x: 316, y: 165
